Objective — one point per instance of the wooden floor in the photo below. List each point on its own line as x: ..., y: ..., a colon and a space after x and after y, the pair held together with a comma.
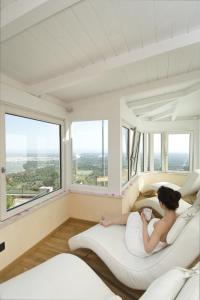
x: 56, y: 243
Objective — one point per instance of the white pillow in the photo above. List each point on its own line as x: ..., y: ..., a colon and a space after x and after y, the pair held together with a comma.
x: 178, y: 281
x: 166, y: 287
x: 181, y: 222
x: 155, y: 186
x: 192, y: 184
x: 190, y: 290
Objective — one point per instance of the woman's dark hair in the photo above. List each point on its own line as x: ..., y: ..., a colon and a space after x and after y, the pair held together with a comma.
x: 169, y: 197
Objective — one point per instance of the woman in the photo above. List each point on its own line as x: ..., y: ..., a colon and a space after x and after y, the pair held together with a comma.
x: 143, y: 238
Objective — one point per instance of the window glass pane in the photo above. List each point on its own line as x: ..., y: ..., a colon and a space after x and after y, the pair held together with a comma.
x: 125, y: 155
x: 178, y: 151
x: 131, y: 146
x: 148, y: 151
x: 141, y: 153
x: 90, y: 152
x: 157, y: 152
x: 32, y: 159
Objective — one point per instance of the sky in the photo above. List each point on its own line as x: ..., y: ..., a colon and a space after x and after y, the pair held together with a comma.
x: 87, y: 137
x: 25, y: 135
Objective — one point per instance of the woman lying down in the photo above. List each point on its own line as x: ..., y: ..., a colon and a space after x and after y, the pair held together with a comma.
x: 142, y: 237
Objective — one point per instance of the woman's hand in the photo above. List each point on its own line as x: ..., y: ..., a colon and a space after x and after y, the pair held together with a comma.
x: 144, y: 221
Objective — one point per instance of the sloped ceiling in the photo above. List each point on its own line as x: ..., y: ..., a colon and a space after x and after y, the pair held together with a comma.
x: 82, y: 48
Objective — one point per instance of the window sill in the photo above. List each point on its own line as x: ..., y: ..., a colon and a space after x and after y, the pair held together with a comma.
x: 30, y: 210
x: 91, y: 190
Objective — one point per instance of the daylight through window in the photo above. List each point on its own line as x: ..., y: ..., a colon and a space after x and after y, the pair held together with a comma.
x: 90, y: 153
x: 178, y: 151
x: 33, y: 159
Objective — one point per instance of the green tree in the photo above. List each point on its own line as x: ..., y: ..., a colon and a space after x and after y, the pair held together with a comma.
x: 10, y: 201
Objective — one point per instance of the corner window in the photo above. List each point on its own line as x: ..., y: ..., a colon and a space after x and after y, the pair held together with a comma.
x: 90, y: 153
x: 33, y: 159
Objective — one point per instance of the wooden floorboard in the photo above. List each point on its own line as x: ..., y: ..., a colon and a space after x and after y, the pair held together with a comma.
x: 56, y: 243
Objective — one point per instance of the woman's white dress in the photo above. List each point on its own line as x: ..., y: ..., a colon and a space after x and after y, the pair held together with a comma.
x: 134, y: 235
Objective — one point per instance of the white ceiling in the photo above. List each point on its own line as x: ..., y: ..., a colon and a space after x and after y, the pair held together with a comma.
x: 82, y: 34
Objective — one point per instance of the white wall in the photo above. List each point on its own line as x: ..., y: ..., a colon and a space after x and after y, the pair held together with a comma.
x: 16, y: 97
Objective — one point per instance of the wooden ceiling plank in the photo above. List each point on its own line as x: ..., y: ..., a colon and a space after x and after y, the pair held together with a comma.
x: 96, y: 69
x: 164, y: 97
x: 24, y: 14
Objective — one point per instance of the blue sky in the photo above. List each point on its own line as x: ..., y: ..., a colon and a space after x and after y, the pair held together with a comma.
x: 87, y: 137
x: 27, y: 135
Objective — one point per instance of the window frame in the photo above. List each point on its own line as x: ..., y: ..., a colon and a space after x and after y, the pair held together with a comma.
x: 128, y: 128
x: 191, y: 149
x: 86, y: 187
x: 164, y: 151
x: 22, y: 112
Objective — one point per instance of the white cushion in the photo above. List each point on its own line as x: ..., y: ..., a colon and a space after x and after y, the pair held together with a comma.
x: 178, y: 283
x: 182, y: 221
x: 190, y: 290
x: 64, y: 276
x: 154, y: 203
x: 166, y: 287
x: 155, y: 186
x: 192, y: 184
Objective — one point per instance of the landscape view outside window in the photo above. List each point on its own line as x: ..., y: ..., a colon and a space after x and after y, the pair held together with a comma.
x: 178, y: 151
x: 90, y: 153
x: 32, y: 159
x: 157, y: 146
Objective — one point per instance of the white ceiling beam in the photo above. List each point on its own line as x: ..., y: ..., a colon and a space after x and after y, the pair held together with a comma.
x: 133, y: 93
x: 162, y: 115
x: 164, y: 97
x: 175, y: 112
x: 95, y: 70
x: 22, y: 14
x: 146, y: 110
x: 12, y: 82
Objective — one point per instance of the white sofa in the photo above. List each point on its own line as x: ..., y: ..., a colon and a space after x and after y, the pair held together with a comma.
x: 191, y: 186
x: 154, y: 203
x: 135, y: 272
x: 176, y: 284
x: 67, y: 277
x: 63, y: 277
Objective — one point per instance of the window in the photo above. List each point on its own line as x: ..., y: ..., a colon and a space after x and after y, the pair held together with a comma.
x: 148, y: 150
x: 141, y: 152
x: 90, y: 153
x: 157, y: 153
x: 33, y: 159
x: 134, y: 151
x: 178, y: 151
x: 125, y: 155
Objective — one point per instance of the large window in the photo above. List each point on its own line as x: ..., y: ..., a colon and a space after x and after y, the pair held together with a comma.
x: 33, y: 159
x: 148, y: 151
x: 157, y: 152
x: 90, y: 153
x: 125, y: 155
x: 141, y: 153
x: 179, y: 151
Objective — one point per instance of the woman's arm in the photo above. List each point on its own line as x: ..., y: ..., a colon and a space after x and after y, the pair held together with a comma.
x: 150, y: 242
